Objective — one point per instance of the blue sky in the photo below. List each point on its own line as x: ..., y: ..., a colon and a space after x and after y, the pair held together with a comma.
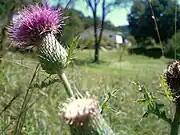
x: 117, y: 17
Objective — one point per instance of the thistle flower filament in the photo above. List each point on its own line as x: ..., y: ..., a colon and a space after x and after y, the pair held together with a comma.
x: 30, y: 24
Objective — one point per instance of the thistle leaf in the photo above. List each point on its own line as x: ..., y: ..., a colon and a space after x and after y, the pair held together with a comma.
x: 146, y: 114
x: 45, y: 83
x: 71, y: 50
x: 166, y: 88
x: 151, y: 104
x: 108, y: 96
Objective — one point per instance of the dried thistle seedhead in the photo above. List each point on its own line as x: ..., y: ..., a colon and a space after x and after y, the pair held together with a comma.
x: 29, y: 25
x: 83, y: 117
x: 79, y: 111
x: 172, y: 76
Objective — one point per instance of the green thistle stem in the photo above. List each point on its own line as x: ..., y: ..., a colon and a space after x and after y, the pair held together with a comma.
x: 66, y: 84
x: 175, y: 123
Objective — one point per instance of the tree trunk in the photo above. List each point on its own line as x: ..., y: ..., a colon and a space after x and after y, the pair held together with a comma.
x: 102, y: 25
x: 99, y: 37
x: 96, y: 44
x: 96, y: 55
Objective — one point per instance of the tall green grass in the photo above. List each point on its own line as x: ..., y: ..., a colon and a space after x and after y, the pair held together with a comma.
x: 111, y: 74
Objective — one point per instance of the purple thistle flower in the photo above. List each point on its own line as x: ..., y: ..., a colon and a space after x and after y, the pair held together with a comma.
x: 29, y: 25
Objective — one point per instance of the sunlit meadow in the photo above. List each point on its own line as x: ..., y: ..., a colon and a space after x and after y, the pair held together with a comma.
x: 125, y: 115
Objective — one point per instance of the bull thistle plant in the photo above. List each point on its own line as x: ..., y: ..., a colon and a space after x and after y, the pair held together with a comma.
x: 170, y: 82
x: 37, y: 25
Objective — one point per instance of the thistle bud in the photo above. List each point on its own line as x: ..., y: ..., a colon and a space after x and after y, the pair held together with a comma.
x: 52, y: 55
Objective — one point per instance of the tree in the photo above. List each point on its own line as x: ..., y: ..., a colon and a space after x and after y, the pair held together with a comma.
x: 106, y: 8
x: 73, y: 25
x: 77, y: 23
x: 141, y: 20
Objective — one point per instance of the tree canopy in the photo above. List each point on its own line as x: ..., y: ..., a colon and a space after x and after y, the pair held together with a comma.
x: 141, y: 20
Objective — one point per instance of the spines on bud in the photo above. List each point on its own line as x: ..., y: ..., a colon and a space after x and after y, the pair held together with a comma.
x: 52, y: 55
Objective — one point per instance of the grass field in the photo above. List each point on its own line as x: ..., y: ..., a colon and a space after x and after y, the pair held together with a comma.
x: 111, y: 74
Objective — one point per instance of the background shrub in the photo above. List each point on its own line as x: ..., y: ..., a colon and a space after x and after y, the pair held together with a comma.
x: 171, y: 46
x: 154, y: 52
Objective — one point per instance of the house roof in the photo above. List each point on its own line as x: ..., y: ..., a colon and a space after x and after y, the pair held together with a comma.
x: 90, y: 32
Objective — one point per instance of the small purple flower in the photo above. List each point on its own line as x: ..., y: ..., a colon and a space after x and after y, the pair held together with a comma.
x: 29, y: 25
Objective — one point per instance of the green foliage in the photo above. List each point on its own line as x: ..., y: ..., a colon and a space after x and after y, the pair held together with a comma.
x: 74, y: 26
x: 87, y: 43
x: 45, y: 83
x: 43, y: 115
x: 71, y: 50
x: 154, y: 52
x: 108, y: 97
x: 166, y: 88
x: 132, y: 40
x: 107, y: 43
x: 77, y: 23
x: 142, y: 24
x: 152, y: 106
x: 5, y: 6
x: 171, y: 46
x: 148, y: 42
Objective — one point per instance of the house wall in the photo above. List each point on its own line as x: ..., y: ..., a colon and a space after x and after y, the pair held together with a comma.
x: 114, y: 37
x: 89, y: 33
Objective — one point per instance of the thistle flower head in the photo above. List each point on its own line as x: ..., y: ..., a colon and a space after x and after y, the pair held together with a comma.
x: 172, y: 76
x: 78, y: 111
x: 29, y: 25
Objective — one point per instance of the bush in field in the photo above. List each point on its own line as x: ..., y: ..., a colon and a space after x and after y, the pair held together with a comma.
x: 132, y: 40
x: 147, y: 42
x: 173, y: 45
x: 107, y: 43
x: 87, y: 43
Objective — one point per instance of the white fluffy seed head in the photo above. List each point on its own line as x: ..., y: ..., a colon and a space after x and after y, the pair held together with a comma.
x: 77, y: 111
